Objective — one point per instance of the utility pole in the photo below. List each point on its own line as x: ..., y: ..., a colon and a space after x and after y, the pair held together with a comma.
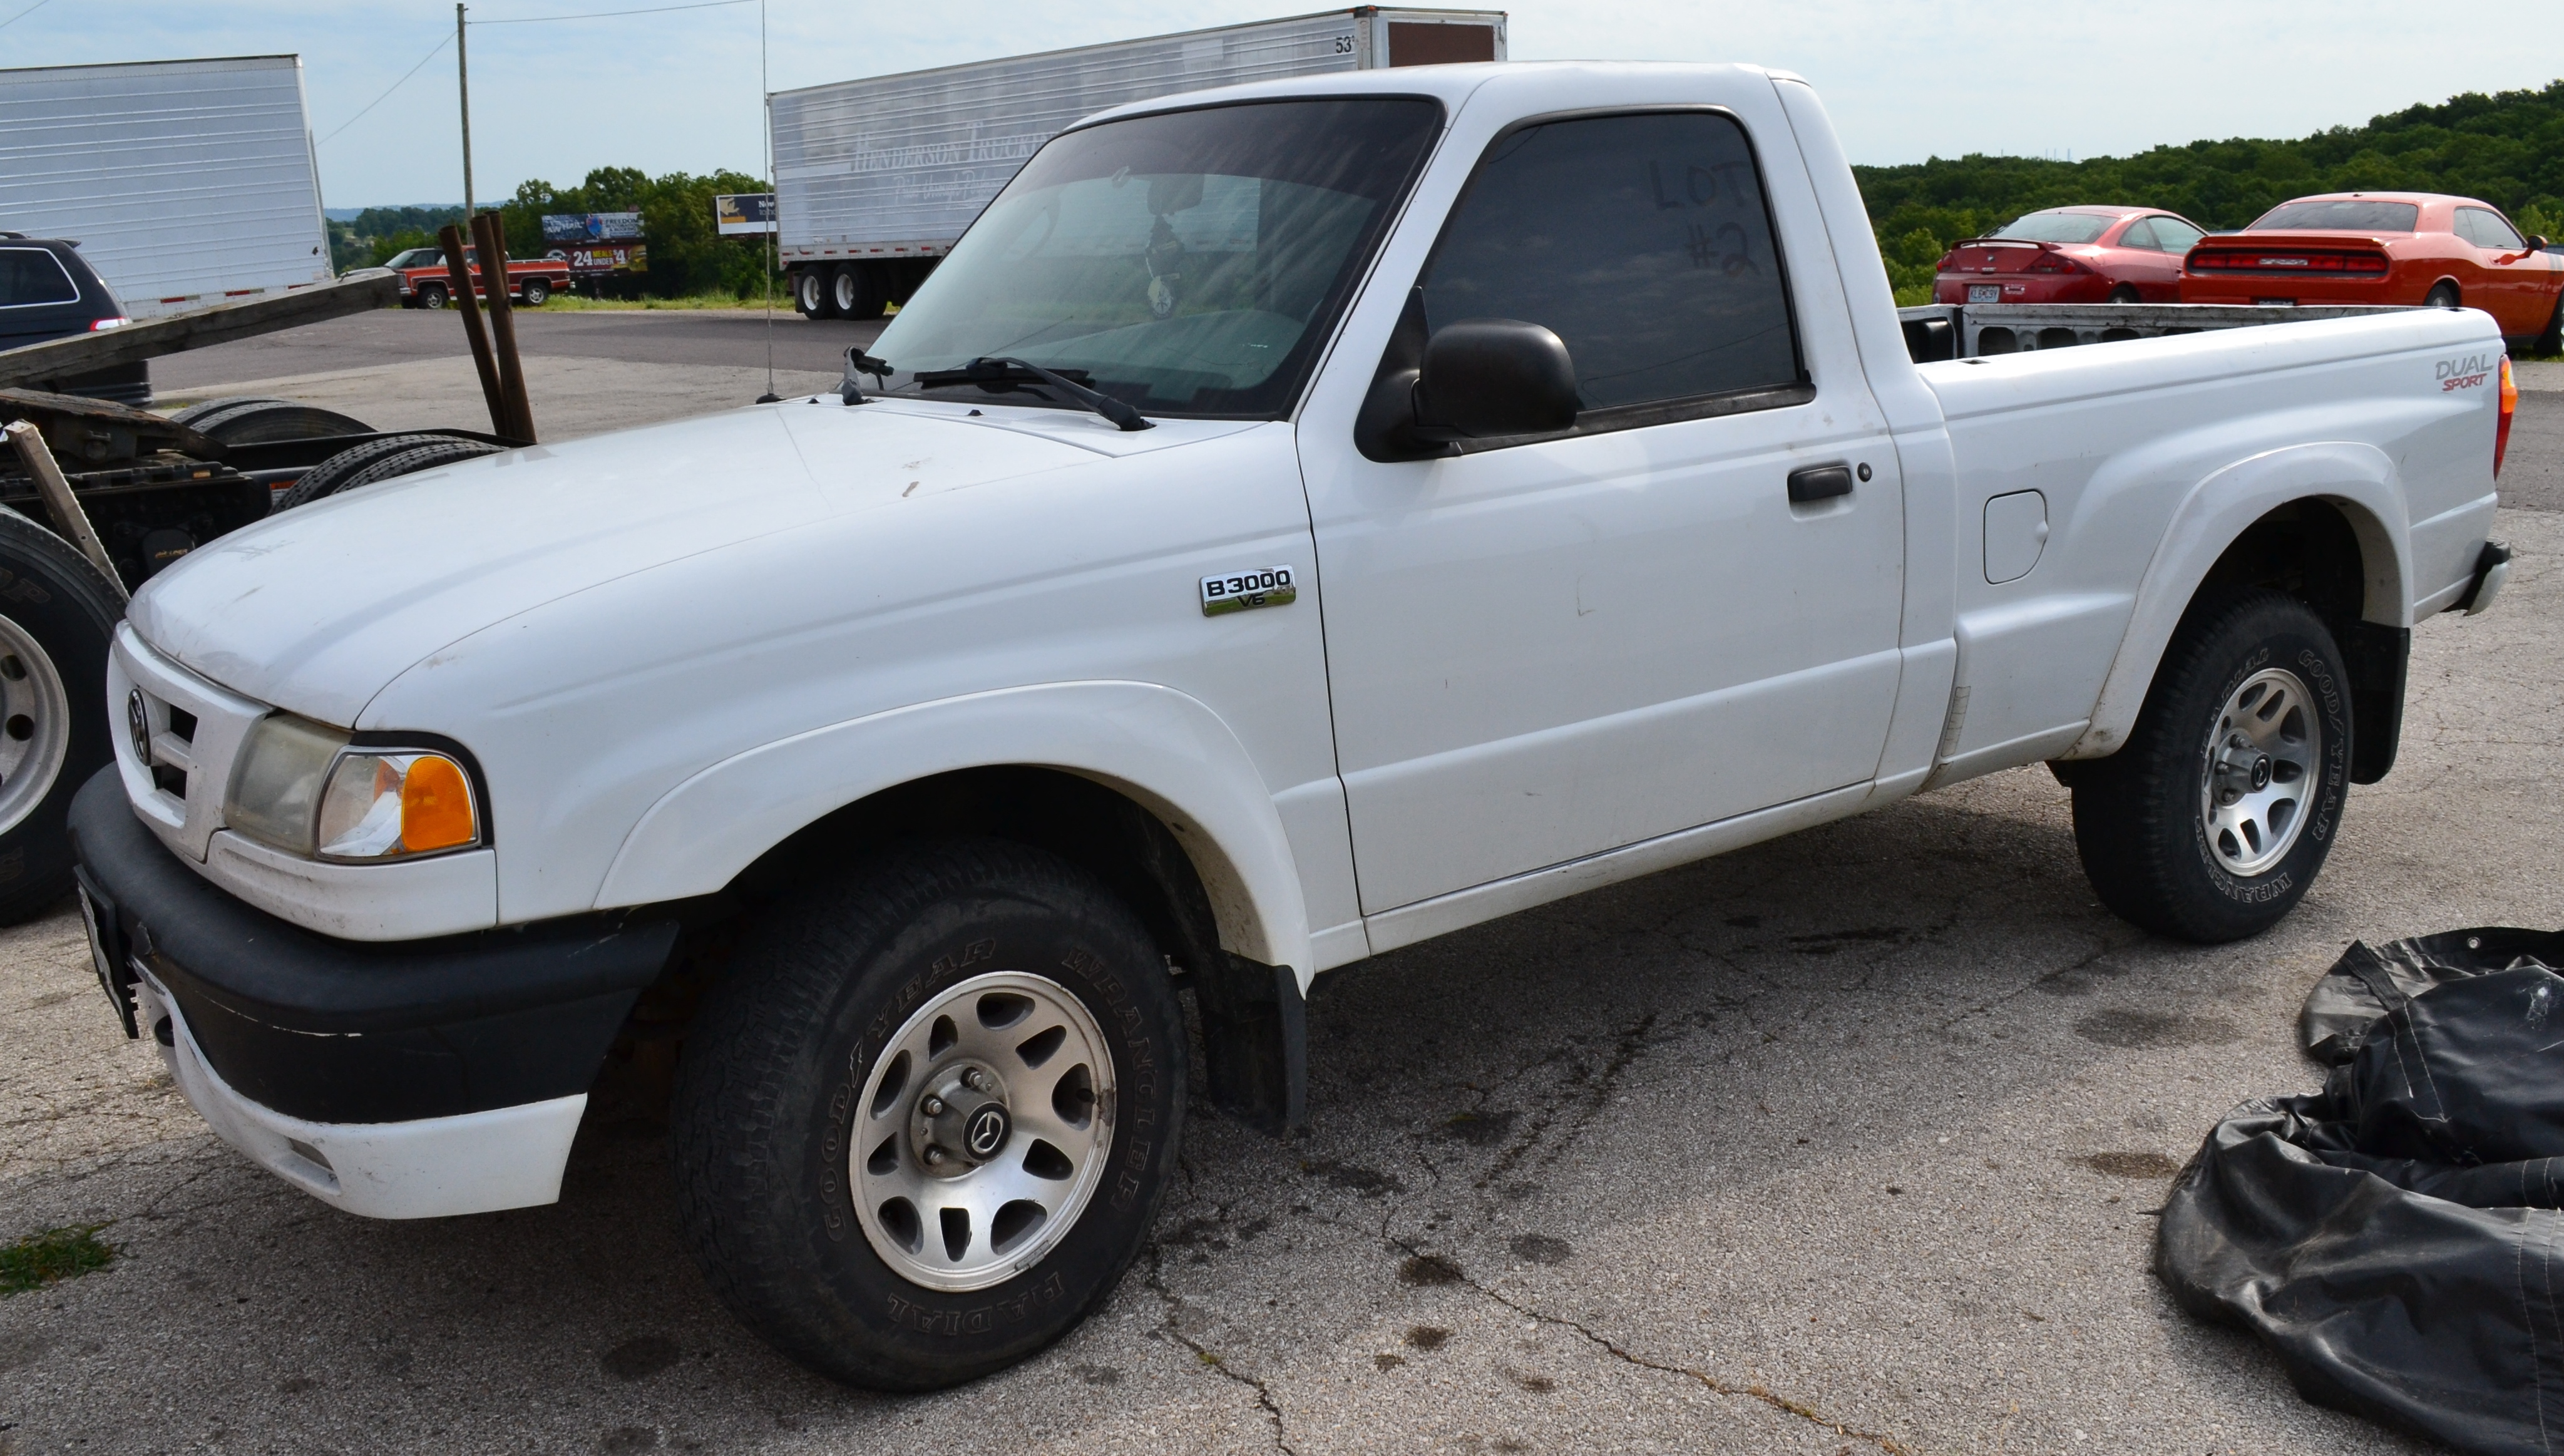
x: 463, y: 85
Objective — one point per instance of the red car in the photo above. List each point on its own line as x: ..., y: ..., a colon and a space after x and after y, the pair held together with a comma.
x: 2071, y: 255
x: 425, y: 281
x: 2387, y: 248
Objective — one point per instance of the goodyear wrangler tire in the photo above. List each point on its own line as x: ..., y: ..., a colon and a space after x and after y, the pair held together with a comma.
x: 925, y: 1123
x: 2216, y: 817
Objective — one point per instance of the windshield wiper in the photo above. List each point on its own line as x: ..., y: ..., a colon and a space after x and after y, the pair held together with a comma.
x: 997, y: 375
x: 859, y: 363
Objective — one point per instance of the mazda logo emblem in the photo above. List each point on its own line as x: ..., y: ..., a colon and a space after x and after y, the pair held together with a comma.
x: 137, y: 720
x: 988, y: 1131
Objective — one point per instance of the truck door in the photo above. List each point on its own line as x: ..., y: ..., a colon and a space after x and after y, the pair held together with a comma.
x: 1547, y: 647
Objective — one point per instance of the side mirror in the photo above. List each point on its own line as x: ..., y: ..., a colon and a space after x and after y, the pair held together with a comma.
x: 1488, y: 377
x: 2537, y: 243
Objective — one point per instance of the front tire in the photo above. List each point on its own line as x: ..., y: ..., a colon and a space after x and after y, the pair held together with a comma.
x: 924, y: 989
x: 57, y: 613
x: 432, y: 295
x: 2216, y: 817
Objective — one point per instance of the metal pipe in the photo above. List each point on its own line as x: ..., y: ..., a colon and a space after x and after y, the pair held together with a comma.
x: 489, y: 231
x: 459, y: 274
x: 463, y: 87
x: 66, y: 506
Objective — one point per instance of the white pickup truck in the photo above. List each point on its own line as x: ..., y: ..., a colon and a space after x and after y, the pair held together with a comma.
x: 1297, y: 521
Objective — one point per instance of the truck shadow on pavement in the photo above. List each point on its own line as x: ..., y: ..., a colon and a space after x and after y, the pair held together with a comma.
x: 1669, y: 1148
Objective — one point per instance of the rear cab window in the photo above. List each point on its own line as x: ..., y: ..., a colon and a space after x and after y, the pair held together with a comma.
x: 31, y: 277
x: 1645, y: 242
x: 2057, y: 227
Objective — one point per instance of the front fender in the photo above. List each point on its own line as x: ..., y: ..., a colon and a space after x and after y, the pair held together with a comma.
x: 2359, y: 479
x: 1166, y: 750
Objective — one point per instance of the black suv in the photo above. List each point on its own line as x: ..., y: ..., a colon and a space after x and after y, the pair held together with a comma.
x: 47, y: 291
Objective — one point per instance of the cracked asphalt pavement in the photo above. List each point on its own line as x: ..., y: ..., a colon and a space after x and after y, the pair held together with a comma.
x: 1848, y: 1142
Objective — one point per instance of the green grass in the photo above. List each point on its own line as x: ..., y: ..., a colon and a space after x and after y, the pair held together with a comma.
x: 55, y: 1254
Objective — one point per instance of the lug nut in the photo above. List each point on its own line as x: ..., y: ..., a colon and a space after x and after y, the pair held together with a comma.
x: 934, y: 1155
x: 932, y: 1107
x: 972, y: 1079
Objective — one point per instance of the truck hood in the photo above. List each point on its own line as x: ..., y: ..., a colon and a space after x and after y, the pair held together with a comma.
x: 317, y: 609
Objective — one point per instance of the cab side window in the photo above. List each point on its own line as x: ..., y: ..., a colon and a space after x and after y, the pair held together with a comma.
x: 2141, y: 234
x: 1645, y: 242
x: 31, y: 275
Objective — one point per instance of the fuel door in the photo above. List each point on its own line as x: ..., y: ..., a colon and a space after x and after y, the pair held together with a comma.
x: 2016, y: 532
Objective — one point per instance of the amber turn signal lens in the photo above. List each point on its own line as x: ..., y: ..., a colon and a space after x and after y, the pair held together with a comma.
x: 436, y: 805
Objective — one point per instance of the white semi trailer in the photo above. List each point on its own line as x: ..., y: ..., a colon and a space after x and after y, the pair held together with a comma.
x: 876, y: 178
x: 188, y: 183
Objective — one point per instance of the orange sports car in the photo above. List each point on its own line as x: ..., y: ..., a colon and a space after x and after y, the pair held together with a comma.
x: 2387, y: 248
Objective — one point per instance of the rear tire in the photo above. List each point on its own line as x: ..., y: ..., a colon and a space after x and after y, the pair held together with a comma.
x: 810, y: 292
x: 2123, y: 293
x: 2216, y: 817
x: 856, y: 292
x: 810, y: 1079
x: 534, y: 292
x: 56, y: 614
x: 377, y: 460
x: 2441, y: 296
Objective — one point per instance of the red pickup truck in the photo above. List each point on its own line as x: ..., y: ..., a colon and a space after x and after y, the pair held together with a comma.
x: 425, y: 281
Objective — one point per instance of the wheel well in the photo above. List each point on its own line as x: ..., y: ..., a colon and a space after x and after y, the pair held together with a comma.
x: 2312, y: 550
x: 1254, y: 1036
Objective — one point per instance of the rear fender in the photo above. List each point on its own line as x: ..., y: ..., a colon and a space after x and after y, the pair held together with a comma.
x: 1164, y: 751
x: 2358, y: 479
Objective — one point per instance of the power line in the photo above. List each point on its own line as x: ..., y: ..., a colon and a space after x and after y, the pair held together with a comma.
x: 604, y: 14
x: 387, y: 91
x: 23, y: 14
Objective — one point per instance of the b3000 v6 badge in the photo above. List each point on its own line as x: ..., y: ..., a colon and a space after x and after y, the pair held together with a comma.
x: 1269, y: 586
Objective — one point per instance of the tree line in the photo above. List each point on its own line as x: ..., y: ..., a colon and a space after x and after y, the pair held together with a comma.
x: 2506, y: 149
x: 688, y: 255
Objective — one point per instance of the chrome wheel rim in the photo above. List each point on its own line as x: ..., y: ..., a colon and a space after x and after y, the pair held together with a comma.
x: 2261, y: 762
x: 982, y: 1131
x: 34, y: 724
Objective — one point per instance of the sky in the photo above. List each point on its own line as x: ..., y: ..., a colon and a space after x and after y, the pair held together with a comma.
x: 679, y: 91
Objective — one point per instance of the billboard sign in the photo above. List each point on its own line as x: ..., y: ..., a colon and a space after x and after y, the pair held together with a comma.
x: 591, y: 227
x: 748, y: 213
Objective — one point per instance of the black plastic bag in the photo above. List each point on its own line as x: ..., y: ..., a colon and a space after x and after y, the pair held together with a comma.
x: 2395, y: 1238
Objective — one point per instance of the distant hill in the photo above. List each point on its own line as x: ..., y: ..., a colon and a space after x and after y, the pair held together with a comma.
x: 2507, y: 149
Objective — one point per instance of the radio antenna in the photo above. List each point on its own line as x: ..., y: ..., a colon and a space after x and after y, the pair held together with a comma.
x: 765, y: 127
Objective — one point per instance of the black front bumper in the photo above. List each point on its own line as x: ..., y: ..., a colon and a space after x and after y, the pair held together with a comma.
x: 351, y: 1032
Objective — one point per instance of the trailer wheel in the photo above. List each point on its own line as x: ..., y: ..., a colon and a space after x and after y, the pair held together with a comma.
x: 377, y: 460
x: 856, y: 292
x: 810, y: 292
x: 2218, y: 814
x: 924, y: 1122
x: 535, y: 291
x: 256, y: 420
x: 432, y: 295
x: 56, y: 614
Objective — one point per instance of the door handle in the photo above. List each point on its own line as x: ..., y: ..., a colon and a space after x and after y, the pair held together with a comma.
x: 1818, y: 483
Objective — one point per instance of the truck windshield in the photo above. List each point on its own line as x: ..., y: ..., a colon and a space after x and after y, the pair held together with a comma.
x: 1190, y: 262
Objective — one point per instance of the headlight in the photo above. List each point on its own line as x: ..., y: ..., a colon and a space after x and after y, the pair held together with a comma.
x: 301, y: 787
